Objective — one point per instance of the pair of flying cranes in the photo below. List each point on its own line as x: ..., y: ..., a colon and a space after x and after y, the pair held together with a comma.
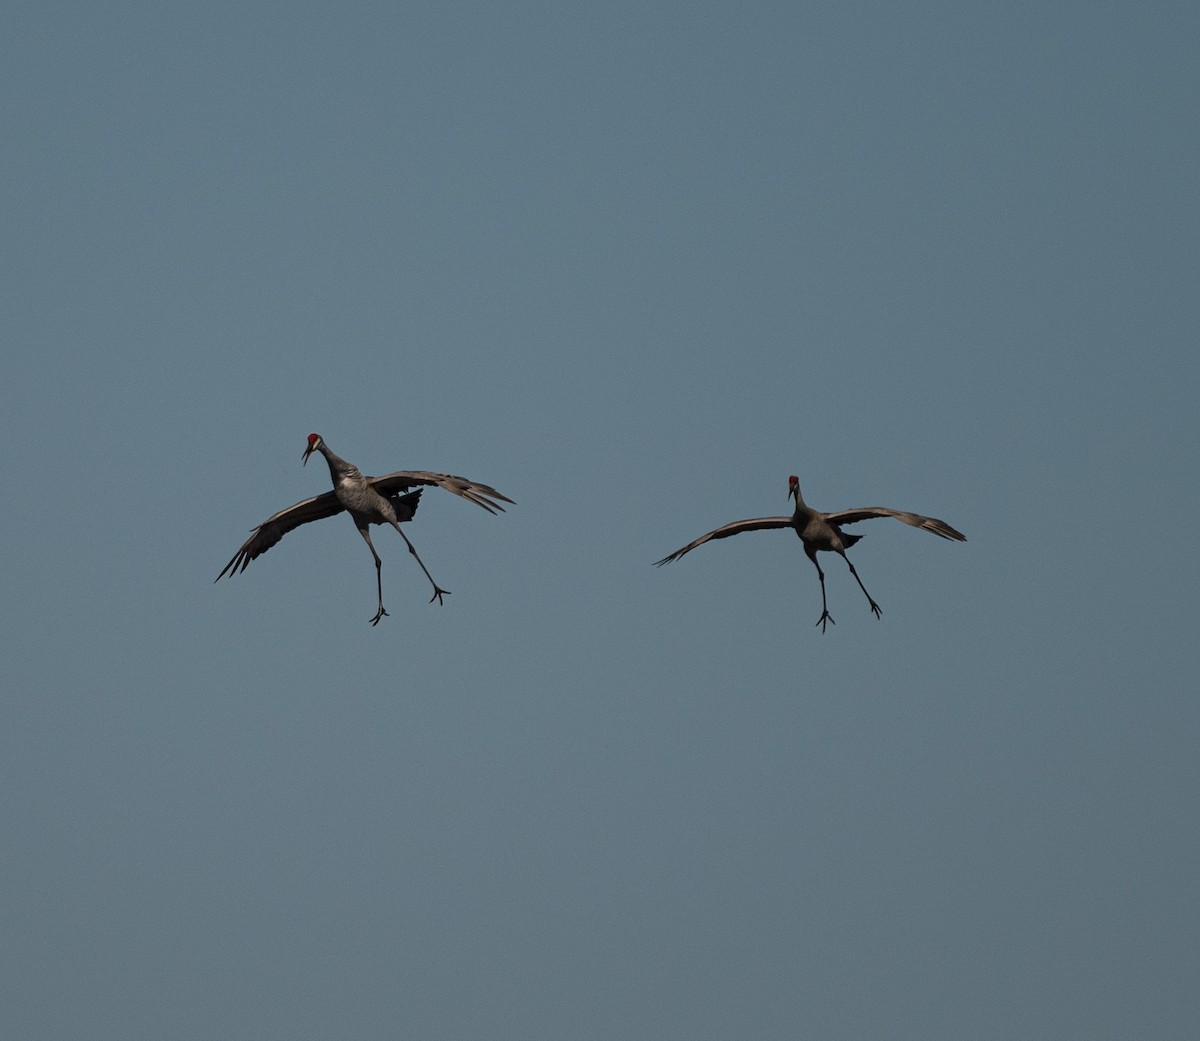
x: 387, y: 500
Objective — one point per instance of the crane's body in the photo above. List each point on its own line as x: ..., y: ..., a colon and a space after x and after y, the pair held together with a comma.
x: 368, y: 500
x: 822, y: 532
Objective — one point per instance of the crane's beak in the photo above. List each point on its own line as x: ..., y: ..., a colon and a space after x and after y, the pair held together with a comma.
x: 307, y: 452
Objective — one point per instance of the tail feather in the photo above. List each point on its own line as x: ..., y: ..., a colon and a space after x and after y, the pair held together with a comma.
x: 406, y: 505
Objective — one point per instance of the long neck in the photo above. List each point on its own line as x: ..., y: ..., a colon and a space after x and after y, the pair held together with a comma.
x: 801, y: 506
x: 338, y: 467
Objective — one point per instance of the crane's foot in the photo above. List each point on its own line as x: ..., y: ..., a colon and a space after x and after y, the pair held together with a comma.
x: 825, y: 617
x: 438, y: 594
x: 876, y: 610
x: 381, y: 613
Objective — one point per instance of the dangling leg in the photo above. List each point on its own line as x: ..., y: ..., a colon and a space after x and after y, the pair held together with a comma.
x: 438, y: 592
x: 874, y: 606
x: 825, y: 615
x: 378, y: 573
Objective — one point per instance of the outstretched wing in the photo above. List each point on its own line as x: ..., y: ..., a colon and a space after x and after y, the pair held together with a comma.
x: 735, y: 528
x: 932, y: 524
x: 318, y: 507
x: 480, y: 494
x: 275, y: 527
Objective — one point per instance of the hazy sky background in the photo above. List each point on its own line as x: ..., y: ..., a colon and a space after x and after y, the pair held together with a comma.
x: 633, y: 264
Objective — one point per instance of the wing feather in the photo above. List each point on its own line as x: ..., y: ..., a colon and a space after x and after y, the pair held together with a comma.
x: 276, y: 526
x: 930, y: 524
x: 734, y: 528
x: 480, y: 494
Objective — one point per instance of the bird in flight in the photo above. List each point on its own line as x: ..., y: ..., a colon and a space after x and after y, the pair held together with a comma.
x: 822, y: 532
x: 368, y: 500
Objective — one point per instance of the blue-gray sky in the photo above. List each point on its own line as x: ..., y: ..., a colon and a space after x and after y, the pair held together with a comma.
x: 633, y: 265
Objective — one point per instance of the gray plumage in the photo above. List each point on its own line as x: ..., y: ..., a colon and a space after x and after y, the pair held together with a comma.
x: 368, y: 500
x: 822, y: 532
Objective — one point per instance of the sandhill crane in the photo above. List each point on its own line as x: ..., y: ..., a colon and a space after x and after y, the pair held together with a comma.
x: 822, y: 532
x: 368, y: 500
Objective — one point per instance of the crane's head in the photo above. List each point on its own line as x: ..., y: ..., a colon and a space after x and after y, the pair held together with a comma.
x: 314, y: 442
x: 793, y: 487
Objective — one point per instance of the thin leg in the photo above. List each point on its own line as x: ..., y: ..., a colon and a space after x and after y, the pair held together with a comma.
x: 378, y: 574
x: 438, y: 592
x: 825, y: 615
x: 874, y: 606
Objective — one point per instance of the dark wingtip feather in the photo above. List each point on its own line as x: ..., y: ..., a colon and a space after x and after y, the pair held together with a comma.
x: 945, y: 531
